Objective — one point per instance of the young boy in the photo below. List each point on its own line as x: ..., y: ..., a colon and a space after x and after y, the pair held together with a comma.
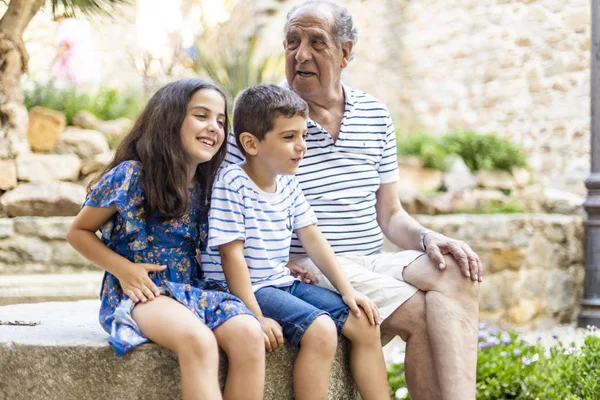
x: 256, y: 206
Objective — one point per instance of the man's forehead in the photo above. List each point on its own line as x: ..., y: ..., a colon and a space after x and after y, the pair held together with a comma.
x: 311, y: 18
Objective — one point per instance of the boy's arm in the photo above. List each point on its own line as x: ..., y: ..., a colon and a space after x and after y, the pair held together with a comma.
x: 322, y: 255
x: 237, y: 274
x: 239, y: 283
x: 82, y: 236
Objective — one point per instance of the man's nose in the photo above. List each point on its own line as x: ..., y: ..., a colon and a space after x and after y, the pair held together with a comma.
x: 303, y: 53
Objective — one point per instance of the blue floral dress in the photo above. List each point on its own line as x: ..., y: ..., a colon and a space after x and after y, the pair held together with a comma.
x: 172, y: 243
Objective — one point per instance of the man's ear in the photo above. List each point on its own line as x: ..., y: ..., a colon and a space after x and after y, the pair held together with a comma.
x: 346, y: 51
x: 250, y: 143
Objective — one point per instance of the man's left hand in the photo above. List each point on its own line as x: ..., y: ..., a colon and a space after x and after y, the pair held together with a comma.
x: 299, y: 272
x: 438, y: 245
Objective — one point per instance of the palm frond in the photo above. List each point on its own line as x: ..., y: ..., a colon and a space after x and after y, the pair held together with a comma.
x: 87, y: 7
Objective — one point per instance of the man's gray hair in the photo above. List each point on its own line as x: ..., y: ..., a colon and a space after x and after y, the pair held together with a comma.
x: 343, y: 26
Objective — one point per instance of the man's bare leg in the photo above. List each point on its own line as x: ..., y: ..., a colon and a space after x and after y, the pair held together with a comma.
x: 409, y: 322
x: 452, y: 314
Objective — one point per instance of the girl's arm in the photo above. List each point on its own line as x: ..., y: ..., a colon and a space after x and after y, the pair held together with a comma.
x: 240, y: 285
x: 320, y: 252
x: 133, y: 277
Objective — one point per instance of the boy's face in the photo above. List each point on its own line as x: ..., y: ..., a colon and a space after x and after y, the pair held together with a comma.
x: 283, y: 147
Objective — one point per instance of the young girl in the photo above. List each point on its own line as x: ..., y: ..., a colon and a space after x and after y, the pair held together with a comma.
x: 150, y: 206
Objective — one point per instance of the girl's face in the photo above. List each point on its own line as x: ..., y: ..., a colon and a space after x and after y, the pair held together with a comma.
x: 203, y: 129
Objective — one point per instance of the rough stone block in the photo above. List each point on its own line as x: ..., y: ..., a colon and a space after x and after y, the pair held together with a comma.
x: 8, y: 176
x: 86, y: 143
x: 67, y: 357
x: 44, y: 227
x: 6, y: 228
x: 43, y: 168
x: 44, y: 199
x: 45, y: 126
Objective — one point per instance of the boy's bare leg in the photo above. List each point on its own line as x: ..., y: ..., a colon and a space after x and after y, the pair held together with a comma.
x: 366, y: 358
x: 169, y: 324
x: 315, y: 357
x: 452, y: 314
x: 409, y: 322
x: 242, y: 339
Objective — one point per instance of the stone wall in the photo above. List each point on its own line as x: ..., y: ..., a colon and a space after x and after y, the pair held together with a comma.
x: 37, y: 244
x: 533, y: 264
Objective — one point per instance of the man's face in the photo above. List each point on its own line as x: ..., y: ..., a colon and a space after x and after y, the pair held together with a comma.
x: 313, y: 61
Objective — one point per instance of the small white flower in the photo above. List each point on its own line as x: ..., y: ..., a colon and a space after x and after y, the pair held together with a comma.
x: 401, y: 393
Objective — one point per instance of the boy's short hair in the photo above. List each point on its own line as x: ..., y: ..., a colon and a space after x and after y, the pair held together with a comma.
x: 257, y: 107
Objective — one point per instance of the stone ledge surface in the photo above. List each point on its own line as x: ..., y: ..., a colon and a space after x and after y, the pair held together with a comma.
x: 67, y: 357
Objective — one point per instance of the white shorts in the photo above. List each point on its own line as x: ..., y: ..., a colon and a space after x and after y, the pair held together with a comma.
x: 378, y: 276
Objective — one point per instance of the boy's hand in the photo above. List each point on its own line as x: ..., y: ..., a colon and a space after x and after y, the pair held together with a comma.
x: 299, y: 272
x: 136, y: 284
x: 273, y: 333
x: 356, y: 300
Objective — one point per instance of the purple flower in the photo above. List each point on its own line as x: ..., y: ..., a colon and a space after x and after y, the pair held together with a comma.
x: 526, y: 361
x: 492, y: 341
x: 493, y: 330
x: 555, y: 337
x: 517, y: 352
x: 482, y: 345
x: 506, y: 340
x: 482, y: 335
x: 592, y: 328
x: 482, y: 325
x: 539, y: 337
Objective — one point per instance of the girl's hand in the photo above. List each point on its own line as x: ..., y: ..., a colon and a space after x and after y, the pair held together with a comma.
x: 273, y: 333
x: 136, y: 284
x: 356, y: 300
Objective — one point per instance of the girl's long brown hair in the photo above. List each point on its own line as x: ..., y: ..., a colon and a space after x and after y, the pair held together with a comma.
x: 155, y: 141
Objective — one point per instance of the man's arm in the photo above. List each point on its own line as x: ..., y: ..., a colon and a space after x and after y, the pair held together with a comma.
x: 322, y: 255
x: 404, y: 231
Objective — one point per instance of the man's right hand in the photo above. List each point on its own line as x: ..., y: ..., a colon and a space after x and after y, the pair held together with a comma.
x: 273, y: 333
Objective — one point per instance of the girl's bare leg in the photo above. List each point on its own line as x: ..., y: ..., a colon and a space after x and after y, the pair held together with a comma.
x: 168, y: 323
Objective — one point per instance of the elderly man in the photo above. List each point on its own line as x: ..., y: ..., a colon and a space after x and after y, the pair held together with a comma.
x: 428, y: 295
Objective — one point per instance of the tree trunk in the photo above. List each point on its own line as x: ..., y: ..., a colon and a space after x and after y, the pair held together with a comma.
x: 13, y: 64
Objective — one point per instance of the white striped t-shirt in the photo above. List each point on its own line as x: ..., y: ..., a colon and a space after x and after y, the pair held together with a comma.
x: 240, y: 210
x: 340, y: 179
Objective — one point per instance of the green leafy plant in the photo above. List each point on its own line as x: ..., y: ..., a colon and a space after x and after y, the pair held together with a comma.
x: 510, y: 368
x: 496, y: 207
x: 236, y: 64
x: 106, y: 104
x: 479, y: 151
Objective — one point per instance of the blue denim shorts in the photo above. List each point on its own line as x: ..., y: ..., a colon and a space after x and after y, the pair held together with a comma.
x: 295, y: 307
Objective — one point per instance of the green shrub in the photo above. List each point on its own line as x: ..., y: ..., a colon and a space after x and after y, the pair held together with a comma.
x: 496, y: 207
x: 479, y: 151
x: 510, y: 368
x: 105, y: 104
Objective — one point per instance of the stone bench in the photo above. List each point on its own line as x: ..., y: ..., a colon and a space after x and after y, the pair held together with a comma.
x: 67, y: 357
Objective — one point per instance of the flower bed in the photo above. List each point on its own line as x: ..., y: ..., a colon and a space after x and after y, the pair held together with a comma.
x: 509, y: 367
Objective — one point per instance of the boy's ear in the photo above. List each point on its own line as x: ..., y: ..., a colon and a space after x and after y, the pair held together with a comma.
x: 249, y: 143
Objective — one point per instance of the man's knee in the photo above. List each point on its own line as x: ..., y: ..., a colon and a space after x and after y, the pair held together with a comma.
x: 453, y: 283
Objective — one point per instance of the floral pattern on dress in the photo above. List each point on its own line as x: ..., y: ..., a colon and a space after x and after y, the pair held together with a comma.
x: 173, y: 243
